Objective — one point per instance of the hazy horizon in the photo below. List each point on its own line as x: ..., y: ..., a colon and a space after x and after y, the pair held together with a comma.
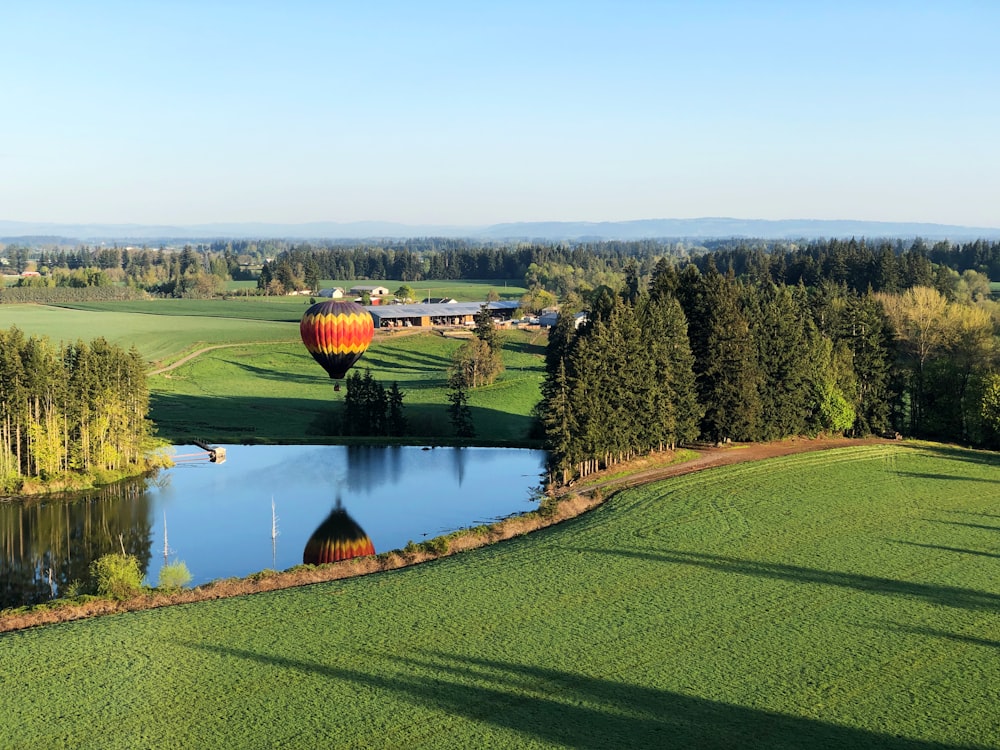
x: 699, y: 229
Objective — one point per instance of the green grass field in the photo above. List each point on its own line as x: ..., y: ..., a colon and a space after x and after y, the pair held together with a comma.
x: 463, y: 291
x: 263, y: 386
x: 277, y: 392
x: 844, y: 599
x: 278, y: 309
x: 158, y: 338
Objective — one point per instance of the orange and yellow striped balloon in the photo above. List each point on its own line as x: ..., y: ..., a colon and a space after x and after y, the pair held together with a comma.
x: 336, y: 333
x: 338, y: 538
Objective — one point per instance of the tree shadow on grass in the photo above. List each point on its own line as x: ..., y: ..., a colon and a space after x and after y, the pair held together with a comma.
x: 958, y: 637
x: 971, y: 513
x: 948, y: 596
x: 960, y: 550
x: 969, y: 455
x: 524, y: 347
x: 950, y: 477
x: 966, y: 525
x: 390, y: 359
x: 223, y: 419
x: 568, y: 709
x: 251, y: 419
x: 269, y: 373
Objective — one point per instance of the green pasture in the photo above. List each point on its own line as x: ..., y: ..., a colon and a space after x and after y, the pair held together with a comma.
x: 845, y: 599
x: 278, y: 309
x: 277, y: 392
x: 262, y: 385
x: 468, y: 290
x: 157, y: 338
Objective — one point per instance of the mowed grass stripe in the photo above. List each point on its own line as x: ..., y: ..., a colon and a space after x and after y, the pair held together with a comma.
x: 825, y: 617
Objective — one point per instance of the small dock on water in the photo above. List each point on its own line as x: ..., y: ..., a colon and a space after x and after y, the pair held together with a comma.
x: 214, y: 453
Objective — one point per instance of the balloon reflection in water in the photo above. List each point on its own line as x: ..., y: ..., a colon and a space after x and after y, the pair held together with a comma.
x: 338, y: 538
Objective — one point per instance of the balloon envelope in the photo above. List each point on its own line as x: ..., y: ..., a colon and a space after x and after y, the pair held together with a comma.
x: 338, y: 538
x: 336, y: 333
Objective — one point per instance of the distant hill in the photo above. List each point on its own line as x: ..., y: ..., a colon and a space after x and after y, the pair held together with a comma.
x: 691, y: 229
x: 723, y: 228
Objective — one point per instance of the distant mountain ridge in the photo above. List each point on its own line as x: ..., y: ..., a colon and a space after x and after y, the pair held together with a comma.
x: 691, y: 229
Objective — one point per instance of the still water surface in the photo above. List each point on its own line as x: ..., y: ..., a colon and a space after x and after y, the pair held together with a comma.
x: 218, y: 517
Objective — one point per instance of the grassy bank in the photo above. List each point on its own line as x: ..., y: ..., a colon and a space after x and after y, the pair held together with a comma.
x: 840, y: 599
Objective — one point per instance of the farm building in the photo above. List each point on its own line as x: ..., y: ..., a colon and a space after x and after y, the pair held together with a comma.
x: 335, y: 293
x: 548, y: 320
x: 442, y: 314
x: 371, y: 291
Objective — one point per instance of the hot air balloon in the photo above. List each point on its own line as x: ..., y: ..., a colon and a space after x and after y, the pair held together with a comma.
x: 336, y: 333
x: 338, y: 538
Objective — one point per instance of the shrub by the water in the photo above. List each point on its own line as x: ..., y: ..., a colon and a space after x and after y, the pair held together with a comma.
x: 116, y: 576
x: 174, y: 576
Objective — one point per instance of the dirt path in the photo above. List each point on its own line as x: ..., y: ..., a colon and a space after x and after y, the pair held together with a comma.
x: 188, y: 357
x: 199, y: 352
x: 709, y: 458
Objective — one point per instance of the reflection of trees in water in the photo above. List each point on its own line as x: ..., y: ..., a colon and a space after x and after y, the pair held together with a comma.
x: 370, y: 466
x: 458, y: 457
x: 66, y: 535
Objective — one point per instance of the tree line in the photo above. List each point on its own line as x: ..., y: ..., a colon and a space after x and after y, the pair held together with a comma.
x: 79, y: 409
x: 698, y: 354
x: 558, y: 268
x: 881, y: 266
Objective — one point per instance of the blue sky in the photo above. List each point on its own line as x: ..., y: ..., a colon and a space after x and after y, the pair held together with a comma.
x: 472, y: 113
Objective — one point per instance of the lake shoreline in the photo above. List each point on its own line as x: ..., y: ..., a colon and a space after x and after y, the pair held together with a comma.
x: 556, y: 508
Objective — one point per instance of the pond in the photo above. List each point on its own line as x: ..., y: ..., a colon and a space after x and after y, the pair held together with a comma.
x: 218, y: 518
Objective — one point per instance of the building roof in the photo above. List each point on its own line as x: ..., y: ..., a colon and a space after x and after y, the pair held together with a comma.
x: 548, y: 320
x: 445, y: 309
x: 368, y: 287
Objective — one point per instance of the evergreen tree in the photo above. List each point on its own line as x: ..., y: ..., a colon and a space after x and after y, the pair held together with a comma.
x: 692, y: 295
x: 485, y: 330
x: 666, y: 280
x: 561, y: 337
x: 730, y: 381
x: 376, y: 406
x: 397, y: 425
x: 458, y: 410
x: 630, y: 294
x: 588, y: 384
x: 557, y: 414
x: 675, y: 406
x: 265, y: 277
x: 365, y: 406
x: 867, y: 334
x: 782, y: 354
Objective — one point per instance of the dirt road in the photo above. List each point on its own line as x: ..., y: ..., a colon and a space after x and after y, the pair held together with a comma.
x: 709, y: 458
